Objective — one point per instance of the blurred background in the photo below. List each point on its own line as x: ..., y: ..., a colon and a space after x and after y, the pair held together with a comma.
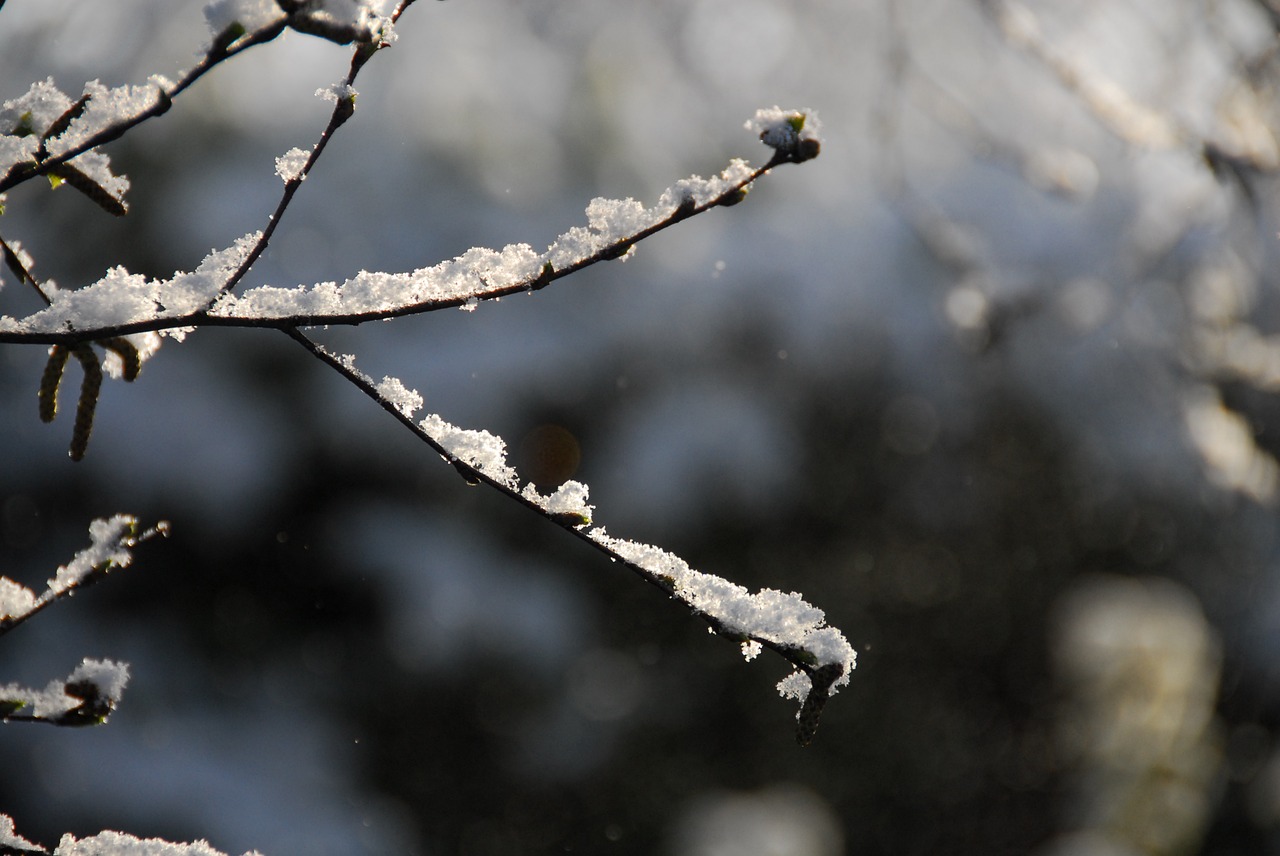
x: 992, y: 382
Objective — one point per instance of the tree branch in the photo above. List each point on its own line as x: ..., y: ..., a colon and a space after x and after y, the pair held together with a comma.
x: 818, y: 651
x: 65, y: 334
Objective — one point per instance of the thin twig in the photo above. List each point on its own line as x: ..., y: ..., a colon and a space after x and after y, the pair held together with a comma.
x: 342, y: 111
x: 14, y: 262
x: 164, y: 101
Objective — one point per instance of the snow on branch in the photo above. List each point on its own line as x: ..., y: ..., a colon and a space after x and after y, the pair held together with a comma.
x: 103, y: 844
x: 794, y: 135
x: 124, y: 312
x: 91, y: 692
x: 112, y: 540
x: 44, y: 132
x: 86, y: 697
x: 44, y: 124
x: 781, y: 621
x: 122, y: 302
x: 12, y: 842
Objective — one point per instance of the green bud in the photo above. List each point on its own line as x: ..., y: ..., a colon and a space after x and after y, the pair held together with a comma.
x: 571, y: 518
x: 24, y: 127
x: 734, y: 197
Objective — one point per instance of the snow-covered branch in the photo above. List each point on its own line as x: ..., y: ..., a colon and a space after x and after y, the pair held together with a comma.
x: 112, y: 540
x: 102, y: 844
x: 44, y: 131
x: 783, y: 622
x: 125, y: 314
x: 114, y: 325
x: 90, y: 693
x: 127, y: 304
x: 86, y: 697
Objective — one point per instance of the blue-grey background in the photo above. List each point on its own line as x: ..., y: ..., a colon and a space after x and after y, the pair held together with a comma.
x: 1005, y: 341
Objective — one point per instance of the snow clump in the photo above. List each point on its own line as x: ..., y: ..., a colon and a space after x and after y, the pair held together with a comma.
x: 289, y: 165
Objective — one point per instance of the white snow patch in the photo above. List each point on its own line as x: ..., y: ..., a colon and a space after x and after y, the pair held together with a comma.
x: 121, y: 844
x: 336, y: 92
x: 108, y: 676
x: 121, y: 297
x: 249, y: 14
x: 484, y: 451
x: 16, y: 600
x: 476, y: 272
x: 702, y: 190
x: 110, y: 545
x: 107, y: 106
x: 570, y: 499
x: 407, y: 401
x: 769, y: 615
x: 289, y: 165
x: 12, y: 840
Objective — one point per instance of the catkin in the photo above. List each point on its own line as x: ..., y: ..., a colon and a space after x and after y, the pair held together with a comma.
x: 64, y: 121
x: 49, y: 382
x: 131, y: 363
x: 88, y: 402
x: 91, y: 189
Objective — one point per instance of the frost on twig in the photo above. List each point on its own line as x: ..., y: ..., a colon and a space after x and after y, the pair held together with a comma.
x: 122, y: 303
x: 289, y: 165
x: 338, y: 21
x: 782, y: 621
x: 566, y: 505
x: 45, y: 133
x: 123, y: 300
